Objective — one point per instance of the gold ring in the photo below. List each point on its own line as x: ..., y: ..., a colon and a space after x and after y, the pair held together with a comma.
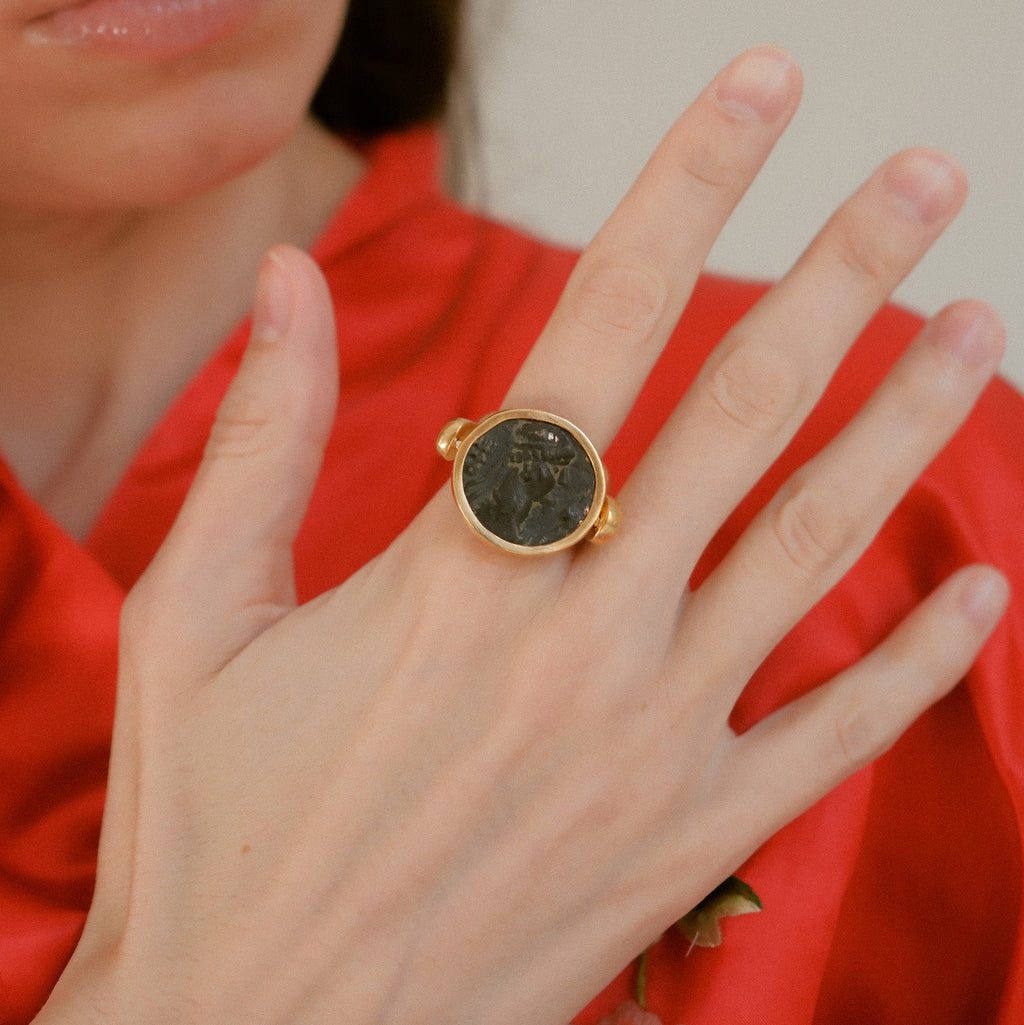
x: 529, y: 482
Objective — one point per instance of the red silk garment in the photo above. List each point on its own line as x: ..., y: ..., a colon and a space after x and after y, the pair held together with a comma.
x: 896, y: 899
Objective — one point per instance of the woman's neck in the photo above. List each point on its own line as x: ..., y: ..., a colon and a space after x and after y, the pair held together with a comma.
x: 107, y: 316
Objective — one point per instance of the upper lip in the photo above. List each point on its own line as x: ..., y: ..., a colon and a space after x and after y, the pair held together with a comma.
x: 36, y: 10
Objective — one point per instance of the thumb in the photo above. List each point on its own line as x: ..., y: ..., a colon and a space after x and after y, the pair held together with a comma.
x: 225, y: 572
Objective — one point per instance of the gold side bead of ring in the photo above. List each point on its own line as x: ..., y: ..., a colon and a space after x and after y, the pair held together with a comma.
x: 452, y: 435
x: 607, y: 523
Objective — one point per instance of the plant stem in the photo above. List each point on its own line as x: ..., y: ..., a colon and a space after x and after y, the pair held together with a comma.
x: 640, y: 980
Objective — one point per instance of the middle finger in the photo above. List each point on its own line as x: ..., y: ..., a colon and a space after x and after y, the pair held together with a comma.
x: 630, y: 285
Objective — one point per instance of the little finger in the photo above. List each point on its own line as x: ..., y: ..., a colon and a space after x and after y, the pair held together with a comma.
x: 790, y: 760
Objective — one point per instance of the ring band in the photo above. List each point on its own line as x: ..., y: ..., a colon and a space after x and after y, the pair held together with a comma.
x: 529, y: 482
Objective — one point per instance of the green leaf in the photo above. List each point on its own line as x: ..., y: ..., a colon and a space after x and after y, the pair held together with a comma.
x: 702, y: 926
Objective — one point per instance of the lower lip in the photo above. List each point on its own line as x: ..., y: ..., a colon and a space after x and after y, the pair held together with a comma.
x: 142, y: 29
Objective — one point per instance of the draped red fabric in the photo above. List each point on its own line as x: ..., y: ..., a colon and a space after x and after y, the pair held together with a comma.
x: 896, y: 899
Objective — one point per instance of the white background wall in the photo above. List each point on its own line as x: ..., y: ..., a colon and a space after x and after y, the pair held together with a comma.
x: 573, y: 94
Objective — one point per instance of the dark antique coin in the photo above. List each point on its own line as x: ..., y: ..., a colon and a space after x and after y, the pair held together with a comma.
x: 529, y: 482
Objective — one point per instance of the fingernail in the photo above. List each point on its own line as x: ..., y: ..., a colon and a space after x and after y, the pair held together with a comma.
x: 973, y: 338
x: 926, y: 185
x: 272, y: 305
x: 984, y: 597
x: 757, y: 85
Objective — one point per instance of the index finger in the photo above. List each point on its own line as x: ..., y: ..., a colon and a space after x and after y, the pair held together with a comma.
x: 633, y: 281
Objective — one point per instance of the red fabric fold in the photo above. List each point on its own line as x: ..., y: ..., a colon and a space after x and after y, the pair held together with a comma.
x: 58, y: 637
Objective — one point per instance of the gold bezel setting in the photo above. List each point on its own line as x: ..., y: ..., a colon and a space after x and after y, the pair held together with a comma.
x: 601, y: 518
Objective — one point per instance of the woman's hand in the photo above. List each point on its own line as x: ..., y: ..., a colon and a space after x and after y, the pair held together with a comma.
x: 417, y: 798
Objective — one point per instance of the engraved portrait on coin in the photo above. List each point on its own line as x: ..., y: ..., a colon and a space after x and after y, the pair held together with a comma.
x: 529, y: 482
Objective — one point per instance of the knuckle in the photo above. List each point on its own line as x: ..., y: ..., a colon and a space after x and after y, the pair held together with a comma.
x: 867, y: 256
x: 860, y: 735
x: 621, y: 298
x: 242, y: 426
x: 752, y: 387
x: 713, y: 166
x: 813, y: 530
x: 161, y: 612
x: 925, y: 397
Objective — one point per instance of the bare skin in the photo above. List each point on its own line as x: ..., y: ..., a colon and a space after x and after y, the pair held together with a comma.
x: 130, y: 237
x: 77, y: 406
x: 472, y: 851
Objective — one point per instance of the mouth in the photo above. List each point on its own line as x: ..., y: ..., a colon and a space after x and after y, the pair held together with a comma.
x: 141, y: 30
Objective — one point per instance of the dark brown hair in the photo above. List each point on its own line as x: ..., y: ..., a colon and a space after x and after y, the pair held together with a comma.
x: 392, y: 66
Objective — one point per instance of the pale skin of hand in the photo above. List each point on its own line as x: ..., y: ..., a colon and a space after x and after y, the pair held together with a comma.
x: 377, y: 807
